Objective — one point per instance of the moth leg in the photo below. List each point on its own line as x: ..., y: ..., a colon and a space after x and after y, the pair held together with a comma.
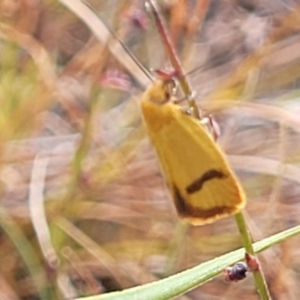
x: 212, y: 126
x: 186, y: 111
x: 185, y: 98
x: 208, y: 121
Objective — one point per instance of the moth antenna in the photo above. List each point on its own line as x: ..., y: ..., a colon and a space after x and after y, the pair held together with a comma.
x: 143, y: 69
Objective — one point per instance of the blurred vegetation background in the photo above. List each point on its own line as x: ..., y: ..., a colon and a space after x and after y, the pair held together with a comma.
x: 84, y: 208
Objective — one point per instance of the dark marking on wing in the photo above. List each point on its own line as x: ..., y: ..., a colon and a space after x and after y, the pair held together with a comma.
x: 185, y: 209
x: 198, y: 183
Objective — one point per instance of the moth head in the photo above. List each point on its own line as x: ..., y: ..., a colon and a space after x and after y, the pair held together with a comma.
x: 161, y: 91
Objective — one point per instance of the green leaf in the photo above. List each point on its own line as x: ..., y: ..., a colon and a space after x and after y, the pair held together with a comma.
x: 185, y: 281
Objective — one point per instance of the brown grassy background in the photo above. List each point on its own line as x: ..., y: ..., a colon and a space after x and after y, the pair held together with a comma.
x: 80, y: 181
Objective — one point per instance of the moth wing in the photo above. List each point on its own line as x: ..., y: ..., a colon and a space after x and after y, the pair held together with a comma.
x: 201, y: 182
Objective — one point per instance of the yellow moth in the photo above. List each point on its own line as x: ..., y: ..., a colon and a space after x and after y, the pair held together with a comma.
x: 202, y: 184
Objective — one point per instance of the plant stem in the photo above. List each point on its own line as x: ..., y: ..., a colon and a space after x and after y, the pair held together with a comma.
x: 258, y: 275
x: 174, y: 59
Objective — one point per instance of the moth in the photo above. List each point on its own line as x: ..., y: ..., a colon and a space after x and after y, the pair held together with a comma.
x: 203, y: 186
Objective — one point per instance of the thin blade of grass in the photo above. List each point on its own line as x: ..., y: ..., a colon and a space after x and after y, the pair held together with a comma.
x: 26, y: 251
x: 185, y: 281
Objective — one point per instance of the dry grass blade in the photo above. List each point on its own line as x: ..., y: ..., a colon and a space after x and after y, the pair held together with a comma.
x: 37, y: 209
x: 106, y: 260
x: 103, y: 34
